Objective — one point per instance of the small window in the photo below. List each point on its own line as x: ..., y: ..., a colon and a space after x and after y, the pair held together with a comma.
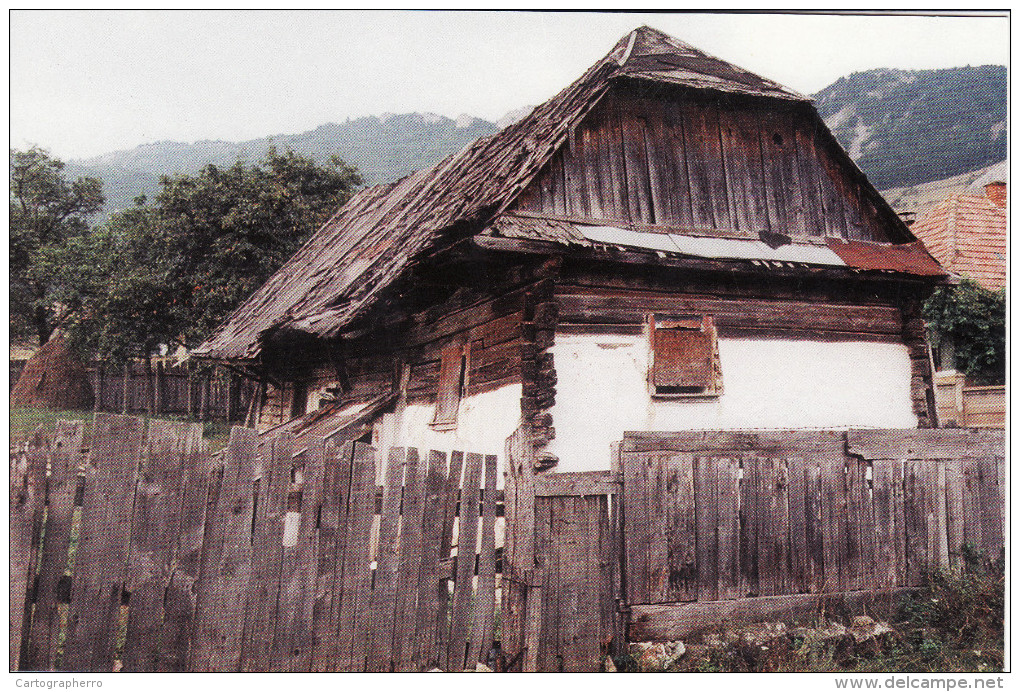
x: 685, y: 356
x: 452, y: 376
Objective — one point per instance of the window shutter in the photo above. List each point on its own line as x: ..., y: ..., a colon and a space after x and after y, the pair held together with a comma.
x: 683, y: 355
x: 451, y: 382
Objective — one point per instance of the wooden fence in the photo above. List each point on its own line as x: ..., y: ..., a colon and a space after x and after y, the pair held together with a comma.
x: 166, y: 390
x: 968, y: 407
x: 169, y: 389
x: 721, y: 516
x: 149, y: 554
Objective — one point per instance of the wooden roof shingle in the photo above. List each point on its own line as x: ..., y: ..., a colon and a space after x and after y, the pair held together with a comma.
x: 383, y: 230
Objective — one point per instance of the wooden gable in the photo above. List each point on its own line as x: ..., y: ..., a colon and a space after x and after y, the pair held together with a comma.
x: 705, y: 163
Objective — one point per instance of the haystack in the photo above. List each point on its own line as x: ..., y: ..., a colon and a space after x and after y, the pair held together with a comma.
x: 53, y: 378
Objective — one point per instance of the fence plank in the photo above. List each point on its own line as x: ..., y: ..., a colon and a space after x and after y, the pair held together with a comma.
x: 104, y: 543
x: 263, y: 588
x: 226, y: 560
x: 799, y: 571
x: 727, y: 507
x: 466, y: 545
x: 518, y: 552
x: 356, y: 587
x: 180, y: 606
x: 333, y: 522
x: 61, y: 487
x: 814, y: 501
x: 681, y: 529
x: 707, y: 519
x: 158, y: 508
x: 27, y: 500
x: 411, y: 551
x: 915, y: 514
x: 295, y: 639
x: 545, y: 641
x: 425, y: 656
x: 451, y: 498
x: 992, y: 505
x: 485, y: 598
x: 954, y: 513
x: 854, y: 566
x: 384, y: 593
x: 864, y: 516
x: 774, y: 545
x: 637, y: 539
x: 657, y: 508
x: 751, y: 489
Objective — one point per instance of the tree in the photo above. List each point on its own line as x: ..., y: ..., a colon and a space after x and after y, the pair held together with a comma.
x: 169, y: 271
x: 972, y: 320
x: 46, y: 211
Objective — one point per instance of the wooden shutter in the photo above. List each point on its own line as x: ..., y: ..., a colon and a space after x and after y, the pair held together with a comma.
x: 683, y: 355
x: 451, y: 383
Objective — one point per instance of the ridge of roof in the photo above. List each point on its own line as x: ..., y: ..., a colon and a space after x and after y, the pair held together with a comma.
x: 382, y: 230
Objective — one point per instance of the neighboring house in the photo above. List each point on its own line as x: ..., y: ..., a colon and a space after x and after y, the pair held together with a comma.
x: 670, y: 243
x: 966, y: 233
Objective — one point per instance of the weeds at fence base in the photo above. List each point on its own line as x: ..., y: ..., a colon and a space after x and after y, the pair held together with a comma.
x: 954, y: 624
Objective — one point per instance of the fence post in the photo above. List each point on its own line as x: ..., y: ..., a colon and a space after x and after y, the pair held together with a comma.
x: 519, y: 580
x: 126, y: 388
x: 100, y: 382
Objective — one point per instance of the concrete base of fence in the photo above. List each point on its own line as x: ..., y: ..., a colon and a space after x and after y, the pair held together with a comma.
x: 675, y: 621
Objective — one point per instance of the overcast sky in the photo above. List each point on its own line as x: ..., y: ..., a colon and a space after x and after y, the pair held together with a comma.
x: 86, y: 83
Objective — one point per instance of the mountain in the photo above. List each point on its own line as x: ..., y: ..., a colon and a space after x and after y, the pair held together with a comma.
x: 383, y: 148
x: 903, y: 128
x: 909, y: 127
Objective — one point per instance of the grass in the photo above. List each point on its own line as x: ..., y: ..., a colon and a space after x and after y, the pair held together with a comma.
x: 954, y: 624
x: 25, y: 421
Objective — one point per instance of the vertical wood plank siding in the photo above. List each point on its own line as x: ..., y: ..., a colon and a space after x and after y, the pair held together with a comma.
x: 704, y: 164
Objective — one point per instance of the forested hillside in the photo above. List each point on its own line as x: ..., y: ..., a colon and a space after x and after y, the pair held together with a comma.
x: 903, y: 128
x: 383, y: 148
x: 909, y: 127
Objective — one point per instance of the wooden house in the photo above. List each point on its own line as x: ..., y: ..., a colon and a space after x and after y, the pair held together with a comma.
x: 669, y: 243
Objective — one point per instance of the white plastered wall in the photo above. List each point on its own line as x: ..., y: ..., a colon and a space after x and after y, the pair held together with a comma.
x: 484, y: 422
x: 602, y: 391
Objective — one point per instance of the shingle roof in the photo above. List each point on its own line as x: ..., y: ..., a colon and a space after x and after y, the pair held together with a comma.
x: 967, y: 235
x: 383, y: 230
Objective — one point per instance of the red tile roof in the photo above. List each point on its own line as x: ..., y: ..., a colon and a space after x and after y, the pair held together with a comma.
x: 967, y: 235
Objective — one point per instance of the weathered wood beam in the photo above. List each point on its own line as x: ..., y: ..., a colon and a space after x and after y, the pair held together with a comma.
x: 926, y: 444
x: 674, y: 621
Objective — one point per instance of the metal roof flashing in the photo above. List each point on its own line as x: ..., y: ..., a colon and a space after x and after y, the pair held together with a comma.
x: 712, y: 248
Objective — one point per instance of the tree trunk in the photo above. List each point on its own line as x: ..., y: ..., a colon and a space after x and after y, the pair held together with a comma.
x: 42, y: 326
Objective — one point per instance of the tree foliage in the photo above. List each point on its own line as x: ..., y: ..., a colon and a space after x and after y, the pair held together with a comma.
x: 46, y: 211
x: 170, y: 270
x: 973, y: 320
